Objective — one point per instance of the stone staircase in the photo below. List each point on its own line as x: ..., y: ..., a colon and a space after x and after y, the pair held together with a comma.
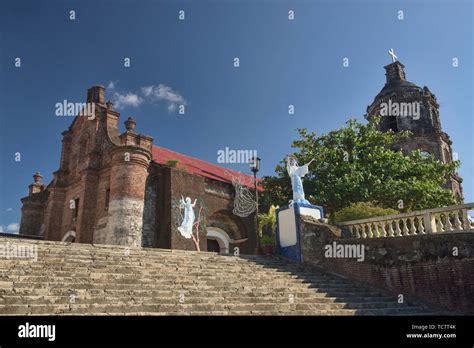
x: 84, y: 279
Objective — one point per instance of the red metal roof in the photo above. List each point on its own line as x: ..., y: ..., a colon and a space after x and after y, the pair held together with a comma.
x: 193, y: 165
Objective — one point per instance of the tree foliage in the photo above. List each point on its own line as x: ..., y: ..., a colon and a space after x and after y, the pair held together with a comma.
x: 356, y: 163
x: 361, y: 210
x: 267, y: 219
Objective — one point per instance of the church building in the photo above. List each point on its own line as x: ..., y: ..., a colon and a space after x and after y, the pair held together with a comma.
x: 120, y: 188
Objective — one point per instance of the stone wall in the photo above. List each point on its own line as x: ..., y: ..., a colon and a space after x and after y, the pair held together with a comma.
x: 32, y: 214
x: 437, y: 269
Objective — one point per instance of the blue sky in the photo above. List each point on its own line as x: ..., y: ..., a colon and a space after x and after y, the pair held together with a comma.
x: 282, y: 62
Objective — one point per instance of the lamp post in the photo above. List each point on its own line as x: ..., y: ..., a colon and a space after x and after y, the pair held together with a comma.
x: 255, y: 167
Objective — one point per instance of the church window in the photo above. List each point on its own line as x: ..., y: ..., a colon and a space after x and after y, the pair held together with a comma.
x: 75, y: 211
x: 425, y: 154
x: 392, y: 123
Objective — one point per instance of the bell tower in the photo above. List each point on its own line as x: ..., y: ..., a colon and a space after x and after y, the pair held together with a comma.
x: 422, y: 119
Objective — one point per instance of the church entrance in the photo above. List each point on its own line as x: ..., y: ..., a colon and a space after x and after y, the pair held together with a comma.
x: 213, y: 246
x: 217, y: 240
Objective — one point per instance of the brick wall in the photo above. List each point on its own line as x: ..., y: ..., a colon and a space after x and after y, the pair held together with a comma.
x: 423, y: 267
x: 166, y: 185
x: 32, y: 213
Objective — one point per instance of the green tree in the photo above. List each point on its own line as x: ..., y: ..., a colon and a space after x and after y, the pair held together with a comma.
x: 361, y: 210
x: 356, y: 163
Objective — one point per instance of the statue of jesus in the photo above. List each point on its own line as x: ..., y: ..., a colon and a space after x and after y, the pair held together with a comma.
x: 186, y: 228
x: 296, y: 173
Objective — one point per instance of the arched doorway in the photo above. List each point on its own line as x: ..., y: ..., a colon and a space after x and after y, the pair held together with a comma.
x: 218, y: 240
x: 69, y: 237
x: 213, y: 246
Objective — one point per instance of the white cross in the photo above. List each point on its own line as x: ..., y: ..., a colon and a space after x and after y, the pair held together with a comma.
x: 392, y: 54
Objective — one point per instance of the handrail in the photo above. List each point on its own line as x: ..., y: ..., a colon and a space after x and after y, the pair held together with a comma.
x: 437, y: 220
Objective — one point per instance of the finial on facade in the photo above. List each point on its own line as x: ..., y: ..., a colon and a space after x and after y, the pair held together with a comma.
x: 37, y: 186
x: 37, y: 177
x: 391, y: 53
x: 110, y: 105
x: 130, y: 124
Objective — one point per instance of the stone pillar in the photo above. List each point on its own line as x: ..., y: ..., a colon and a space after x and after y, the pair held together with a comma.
x: 128, y: 178
x: 32, y: 211
x: 127, y: 195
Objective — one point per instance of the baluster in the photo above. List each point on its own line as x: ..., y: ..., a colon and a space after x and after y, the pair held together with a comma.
x: 369, y: 230
x: 405, y: 228
x: 457, y: 221
x: 362, y: 228
x: 398, y: 230
x: 439, y: 223
x: 448, y: 223
x: 412, y: 226
x: 384, y: 229
x: 421, y: 227
x: 377, y: 229
x: 465, y: 220
x: 391, y: 232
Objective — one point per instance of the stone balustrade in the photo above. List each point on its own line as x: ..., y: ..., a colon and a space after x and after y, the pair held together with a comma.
x: 439, y: 220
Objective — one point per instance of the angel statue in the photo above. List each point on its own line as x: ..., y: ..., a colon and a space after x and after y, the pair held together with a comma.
x: 186, y: 228
x: 296, y: 173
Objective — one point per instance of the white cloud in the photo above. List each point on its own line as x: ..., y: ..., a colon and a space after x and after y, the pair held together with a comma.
x: 152, y: 94
x: 147, y: 90
x: 1, y: 229
x: 9, y: 209
x: 164, y: 93
x: 124, y: 100
x: 13, y: 228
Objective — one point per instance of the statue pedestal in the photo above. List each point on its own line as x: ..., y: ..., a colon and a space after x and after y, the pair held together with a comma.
x: 288, y: 228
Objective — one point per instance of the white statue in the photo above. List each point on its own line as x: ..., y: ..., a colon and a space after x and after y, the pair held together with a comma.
x: 186, y: 228
x: 296, y: 173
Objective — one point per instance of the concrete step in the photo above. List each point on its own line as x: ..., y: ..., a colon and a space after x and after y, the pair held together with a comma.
x: 125, y: 307
x: 114, y: 280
